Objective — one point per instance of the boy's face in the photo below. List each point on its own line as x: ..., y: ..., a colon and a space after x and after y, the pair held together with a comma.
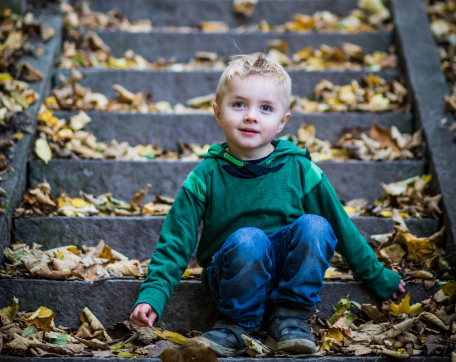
x: 251, y: 114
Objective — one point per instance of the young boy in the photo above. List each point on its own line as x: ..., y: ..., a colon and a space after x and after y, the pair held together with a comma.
x: 271, y: 222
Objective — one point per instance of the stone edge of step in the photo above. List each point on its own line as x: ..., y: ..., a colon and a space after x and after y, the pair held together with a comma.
x: 143, y: 232
x: 428, y: 87
x: 14, y: 182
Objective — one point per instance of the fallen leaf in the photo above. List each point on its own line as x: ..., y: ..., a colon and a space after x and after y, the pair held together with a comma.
x: 405, y: 307
x: 42, y: 150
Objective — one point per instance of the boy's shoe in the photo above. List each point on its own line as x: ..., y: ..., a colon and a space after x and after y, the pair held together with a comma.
x: 225, y: 338
x: 289, y: 332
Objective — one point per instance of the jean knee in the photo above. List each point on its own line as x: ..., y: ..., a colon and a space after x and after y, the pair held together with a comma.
x: 315, y: 229
x: 248, y: 242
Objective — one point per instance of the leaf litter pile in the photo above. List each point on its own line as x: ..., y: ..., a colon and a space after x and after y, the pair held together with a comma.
x: 371, y: 94
x: 92, y: 52
x: 376, y: 144
x: 371, y: 15
x: 407, y: 198
x: 15, y: 33
x: 442, y: 16
x: 16, y: 95
x: 39, y: 202
x: 396, y: 330
x: 35, y: 334
x: 60, y: 139
x: 71, y: 263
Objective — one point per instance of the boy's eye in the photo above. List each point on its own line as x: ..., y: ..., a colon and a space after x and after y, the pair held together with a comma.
x: 266, y: 108
x: 238, y: 104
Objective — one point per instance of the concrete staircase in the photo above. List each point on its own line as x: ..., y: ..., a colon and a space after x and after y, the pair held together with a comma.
x: 190, y: 306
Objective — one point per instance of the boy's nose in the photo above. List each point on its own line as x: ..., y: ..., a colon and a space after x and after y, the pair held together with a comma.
x: 251, y: 116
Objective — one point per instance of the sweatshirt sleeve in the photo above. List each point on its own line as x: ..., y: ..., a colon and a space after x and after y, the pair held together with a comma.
x: 175, y: 247
x: 321, y: 199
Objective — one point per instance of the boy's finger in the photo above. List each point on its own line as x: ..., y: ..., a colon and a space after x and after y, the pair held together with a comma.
x: 394, y: 296
x: 401, y: 289
x: 143, y: 317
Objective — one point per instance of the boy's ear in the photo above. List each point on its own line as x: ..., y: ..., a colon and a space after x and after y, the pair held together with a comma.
x: 217, y: 114
x: 283, y: 122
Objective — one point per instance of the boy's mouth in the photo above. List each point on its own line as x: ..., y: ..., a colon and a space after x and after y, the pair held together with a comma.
x: 248, y: 131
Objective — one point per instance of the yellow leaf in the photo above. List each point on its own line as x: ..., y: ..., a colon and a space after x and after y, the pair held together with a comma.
x: 386, y: 213
x: 405, y: 307
x: 43, y: 150
x: 59, y: 255
x: 325, y: 344
x: 10, y: 312
x: 335, y: 333
x: 18, y: 135
x: 115, y: 348
x: 349, y: 209
x: 130, y: 355
x: 426, y: 178
x: 331, y: 271
x: 174, y: 337
x: 5, y: 76
x: 42, y: 318
x: 187, y: 273
x: 341, y: 307
x: 74, y: 250
x: 77, y: 203
x: 51, y: 100
x: 62, y: 201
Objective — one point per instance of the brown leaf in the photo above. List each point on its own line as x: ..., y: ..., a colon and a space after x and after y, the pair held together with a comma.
x: 372, y: 312
x: 383, y: 136
x: 94, y: 343
x: 88, y: 317
x: 139, y: 197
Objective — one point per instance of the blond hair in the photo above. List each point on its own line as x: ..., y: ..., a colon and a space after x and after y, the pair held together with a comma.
x: 256, y: 63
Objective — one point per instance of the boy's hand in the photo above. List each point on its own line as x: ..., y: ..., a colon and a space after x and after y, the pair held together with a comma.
x: 401, y: 288
x: 143, y: 315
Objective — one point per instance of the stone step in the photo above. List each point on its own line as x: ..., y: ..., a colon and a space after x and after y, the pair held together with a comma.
x: 16, y: 6
x: 192, y: 12
x: 168, y: 129
x: 190, y: 306
x: 178, y: 87
x: 161, y: 44
x: 136, y: 237
x: 227, y: 359
x: 14, y: 182
x: 351, y: 179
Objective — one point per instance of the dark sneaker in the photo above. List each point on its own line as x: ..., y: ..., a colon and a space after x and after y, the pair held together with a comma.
x: 288, y: 331
x: 225, y: 338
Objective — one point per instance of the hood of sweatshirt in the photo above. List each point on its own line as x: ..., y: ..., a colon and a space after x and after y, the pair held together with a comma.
x: 282, y: 148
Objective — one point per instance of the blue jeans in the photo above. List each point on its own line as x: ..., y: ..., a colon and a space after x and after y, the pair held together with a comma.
x: 285, y: 267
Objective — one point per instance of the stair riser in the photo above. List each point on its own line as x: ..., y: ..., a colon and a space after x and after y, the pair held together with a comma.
x: 164, y: 44
x: 353, y: 179
x: 137, y: 237
x: 190, y: 305
x: 169, y: 129
x: 177, y: 87
x: 191, y: 13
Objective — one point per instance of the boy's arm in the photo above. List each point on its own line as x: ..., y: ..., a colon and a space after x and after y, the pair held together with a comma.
x: 175, y: 247
x: 321, y: 199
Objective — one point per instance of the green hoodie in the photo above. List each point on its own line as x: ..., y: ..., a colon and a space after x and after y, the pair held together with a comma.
x: 294, y: 186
